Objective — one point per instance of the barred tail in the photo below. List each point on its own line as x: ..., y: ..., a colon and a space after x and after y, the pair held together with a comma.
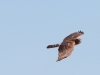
x: 52, y: 46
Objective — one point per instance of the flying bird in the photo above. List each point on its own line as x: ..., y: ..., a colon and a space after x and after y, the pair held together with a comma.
x: 67, y: 46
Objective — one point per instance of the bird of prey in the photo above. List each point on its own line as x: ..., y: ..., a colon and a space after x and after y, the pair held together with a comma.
x: 67, y: 46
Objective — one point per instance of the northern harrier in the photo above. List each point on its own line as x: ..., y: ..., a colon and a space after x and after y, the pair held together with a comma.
x: 67, y: 46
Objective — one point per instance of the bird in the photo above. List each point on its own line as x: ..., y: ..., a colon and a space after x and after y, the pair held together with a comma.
x: 66, y: 47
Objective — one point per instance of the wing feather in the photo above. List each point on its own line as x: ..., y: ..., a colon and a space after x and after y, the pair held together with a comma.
x: 74, y: 35
x: 65, y: 49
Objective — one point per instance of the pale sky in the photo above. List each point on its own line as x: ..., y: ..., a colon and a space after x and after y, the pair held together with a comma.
x: 28, y: 26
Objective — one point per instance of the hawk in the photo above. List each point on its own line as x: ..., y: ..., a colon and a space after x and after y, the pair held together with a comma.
x: 67, y: 46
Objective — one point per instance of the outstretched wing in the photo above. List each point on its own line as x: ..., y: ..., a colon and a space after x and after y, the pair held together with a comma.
x: 65, y: 49
x: 74, y: 35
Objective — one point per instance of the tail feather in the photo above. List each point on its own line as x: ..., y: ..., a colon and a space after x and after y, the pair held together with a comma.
x: 52, y: 46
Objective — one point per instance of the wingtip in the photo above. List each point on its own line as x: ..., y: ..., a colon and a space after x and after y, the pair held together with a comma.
x: 81, y: 32
x: 57, y: 60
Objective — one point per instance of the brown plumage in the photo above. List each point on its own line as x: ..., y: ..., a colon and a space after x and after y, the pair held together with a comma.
x: 67, y: 46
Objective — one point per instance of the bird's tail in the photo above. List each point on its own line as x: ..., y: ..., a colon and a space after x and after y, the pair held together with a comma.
x: 52, y: 46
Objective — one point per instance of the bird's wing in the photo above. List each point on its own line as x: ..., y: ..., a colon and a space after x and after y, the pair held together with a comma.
x: 65, y: 49
x: 74, y: 35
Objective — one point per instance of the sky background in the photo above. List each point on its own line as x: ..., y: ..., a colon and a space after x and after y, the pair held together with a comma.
x: 28, y: 26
